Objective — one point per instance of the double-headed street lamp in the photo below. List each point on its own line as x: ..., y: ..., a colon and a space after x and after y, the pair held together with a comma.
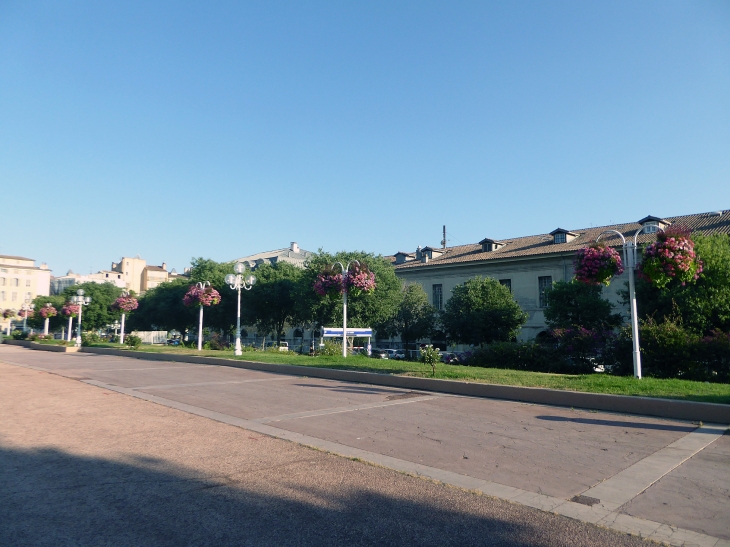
x: 632, y: 262
x: 80, y: 300
x: 27, y: 307
x: 345, y: 270
x: 237, y: 282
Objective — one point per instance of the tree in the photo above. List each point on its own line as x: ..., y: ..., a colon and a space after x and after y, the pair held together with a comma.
x: 222, y: 316
x: 364, y: 310
x: 99, y: 313
x: 704, y: 305
x: 162, y: 308
x: 481, y: 311
x: 414, y: 318
x: 271, y: 304
x: 55, y: 323
x: 575, y: 304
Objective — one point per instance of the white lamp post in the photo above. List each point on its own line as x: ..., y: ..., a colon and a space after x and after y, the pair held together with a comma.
x: 115, y: 326
x: 202, y: 287
x: 27, y: 307
x: 10, y: 321
x: 45, y: 326
x: 81, y: 301
x: 121, y: 336
x: 237, y: 282
x: 344, y: 269
x: 631, y: 261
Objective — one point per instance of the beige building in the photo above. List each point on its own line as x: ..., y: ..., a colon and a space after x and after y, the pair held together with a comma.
x: 21, y: 281
x: 530, y: 265
x: 292, y: 254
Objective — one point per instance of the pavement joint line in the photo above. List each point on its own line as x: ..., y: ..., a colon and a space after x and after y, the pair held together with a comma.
x: 635, y: 479
x: 170, y: 386
x: 340, y: 410
x: 611, y: 519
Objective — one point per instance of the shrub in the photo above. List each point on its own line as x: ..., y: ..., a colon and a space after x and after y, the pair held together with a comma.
x: 430, y: 356
x: 88, y: 338
x: 529, y: 356
x: 19, y: 335
x: 331, y: 348
x: 133, y: 341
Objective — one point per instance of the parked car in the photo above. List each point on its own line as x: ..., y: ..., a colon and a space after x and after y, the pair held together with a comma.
x: 391, y: 353
x: 449, y: 358
x: 173, y: 342
x: 400, y: 354
x: 379, y: 354
x: 283, y: 346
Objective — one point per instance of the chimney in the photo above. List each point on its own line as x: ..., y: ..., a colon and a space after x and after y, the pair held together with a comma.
x: 294, y: 247
x: 164, y: 265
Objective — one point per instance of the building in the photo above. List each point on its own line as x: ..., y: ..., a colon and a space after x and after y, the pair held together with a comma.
x: 132, y: 274
x: 530, y: 265
x: 21, y: 281
x: 292, y: 254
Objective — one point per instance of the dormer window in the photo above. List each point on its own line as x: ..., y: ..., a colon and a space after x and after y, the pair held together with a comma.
x: 402, y: 258
x: 652, y: 224
x: 489, y: 245
x: 431, y: 253
x: 562, y: 236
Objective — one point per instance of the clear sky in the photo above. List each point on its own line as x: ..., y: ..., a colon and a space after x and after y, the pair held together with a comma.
x: 221, y: 129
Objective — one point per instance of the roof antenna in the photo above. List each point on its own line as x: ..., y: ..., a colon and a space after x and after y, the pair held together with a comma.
x: 443, y: 241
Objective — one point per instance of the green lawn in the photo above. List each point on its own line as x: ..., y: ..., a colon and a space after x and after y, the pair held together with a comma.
x: 591, y: 383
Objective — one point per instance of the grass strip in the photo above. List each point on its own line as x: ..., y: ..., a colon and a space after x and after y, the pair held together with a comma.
x: 590, y: 383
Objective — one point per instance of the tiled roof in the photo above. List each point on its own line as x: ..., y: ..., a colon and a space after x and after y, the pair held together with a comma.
x: 15, y: 257
x: 156, y: 268
x: 542, y: 244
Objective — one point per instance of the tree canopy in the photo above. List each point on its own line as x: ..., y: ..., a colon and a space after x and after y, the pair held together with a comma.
x: 414, y: 318
x: 98, y: 314
x: 481, y: 311
x: 272, y: 304
x: 575, y: 304
x: 162, y: 308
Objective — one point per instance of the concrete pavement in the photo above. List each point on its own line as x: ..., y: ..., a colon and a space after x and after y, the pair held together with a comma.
x: 536, y: 455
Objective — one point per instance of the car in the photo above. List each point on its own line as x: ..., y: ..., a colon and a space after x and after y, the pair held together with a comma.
x: 391, y: 353
x: 449, y: 358
x: 283, y: 346
x: 379, y: 354
x: 173, y: 342
x: 400, y: 354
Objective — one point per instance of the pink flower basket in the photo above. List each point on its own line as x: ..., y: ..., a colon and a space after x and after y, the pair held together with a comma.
x: 201, y: 297
x: 671, y: 257
x: 597, y: 264
x: 70, y: 310
x: 125, y: 304
x: 48, y: 311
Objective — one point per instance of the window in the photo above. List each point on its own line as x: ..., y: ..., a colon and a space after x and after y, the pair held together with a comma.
x: 2, y: 281
x: 651, y: 227
x: 107, y: 275
x: 507, y: 283
x: 2, y: 296
x: 27, y: 296
x: 544, y: 284
x: 16, y: 282
x: 27, y: 282
x: 559, y: 238
x: 438, y: 296
x: 14, y: 297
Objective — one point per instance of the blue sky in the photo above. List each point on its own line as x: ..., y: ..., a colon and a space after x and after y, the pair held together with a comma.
x: 220, y: 129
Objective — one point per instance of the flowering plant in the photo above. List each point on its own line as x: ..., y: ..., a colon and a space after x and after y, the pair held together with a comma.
x: 196, y: 296
x: 360, y: 279
x: 125, y: 304
x: 7, y: 314
x: 71, y: 310
x: 48, y: 311
x: 597, y: 264
x: 672, y: 256
x: 25, y: 313
x: 329, y: 282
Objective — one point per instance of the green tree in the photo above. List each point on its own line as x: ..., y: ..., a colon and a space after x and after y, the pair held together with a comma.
x: 576, y: 304
x: 271, y: 305
x: 364, y: 310
x: 703, y: 306
x: 55, y: 323
x: 162, y: 308
x: 481, y: 311
x: 98, y: 314
x: 414, y: 318
x: 223, y: 315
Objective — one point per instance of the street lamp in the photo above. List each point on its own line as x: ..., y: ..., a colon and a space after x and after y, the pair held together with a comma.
x: 27, y: 307
x: 344, y: 269
x: 81, y: 301
x: 631, y: 260
x: 47, y: 321
x: 201, y: 287
x: 115, y: 326
x: 237, y: 282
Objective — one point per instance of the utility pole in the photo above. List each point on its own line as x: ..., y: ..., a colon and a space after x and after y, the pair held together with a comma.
x: 443, y: 241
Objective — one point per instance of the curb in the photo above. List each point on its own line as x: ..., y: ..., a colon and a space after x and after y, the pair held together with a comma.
x: 647, y: 406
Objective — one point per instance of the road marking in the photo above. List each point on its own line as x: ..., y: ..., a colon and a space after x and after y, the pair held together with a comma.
x: 170, y: 386
x: 647, y: 529
x: 632, y: 481
x: 340, y: 410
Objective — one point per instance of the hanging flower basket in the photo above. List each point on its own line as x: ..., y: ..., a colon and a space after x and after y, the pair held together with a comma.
x: 125, y: 304
x: 671, y: 257
x: 70, y: 310
x: 25, y: 314
x: 201, y: 297
x: 8, y: 314
x: 329, y: 282
x: 360, y: 279
x: 48, y: 311
x: 597, y: 264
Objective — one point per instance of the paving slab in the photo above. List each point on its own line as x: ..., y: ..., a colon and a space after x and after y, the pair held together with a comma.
x: 695, y: 495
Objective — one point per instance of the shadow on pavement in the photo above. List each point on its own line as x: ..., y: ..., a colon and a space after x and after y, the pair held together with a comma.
x: 49, y: 497
x: 619, y: 423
